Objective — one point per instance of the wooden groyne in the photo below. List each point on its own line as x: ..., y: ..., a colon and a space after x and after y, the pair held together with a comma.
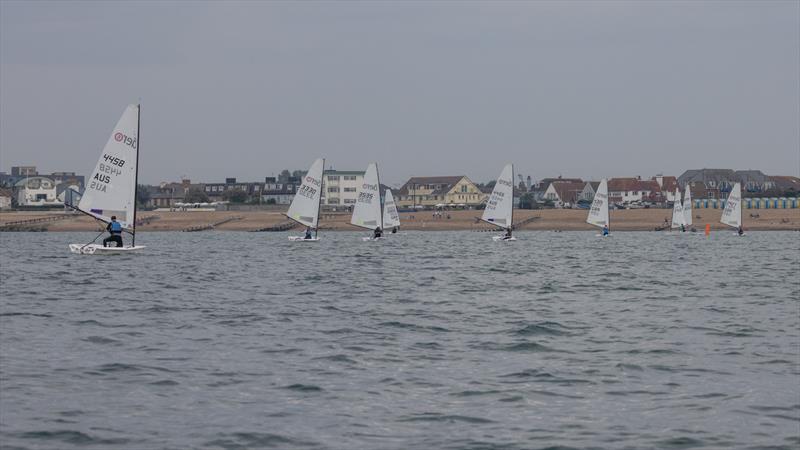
x: 211, y: 226
x: 284, y: 226
x: 36, y: 224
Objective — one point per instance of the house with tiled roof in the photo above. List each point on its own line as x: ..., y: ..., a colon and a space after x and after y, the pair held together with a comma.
x: 589, y: 189
x: 445, y: 190
x: 786, y: 185
x: 627, y: 190
x: 564, y: 193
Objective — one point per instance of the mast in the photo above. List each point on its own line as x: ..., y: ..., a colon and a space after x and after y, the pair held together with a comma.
x: 319, y: 204
x: 511, y: 225
x: 380, y: 205
x: 136, y: 177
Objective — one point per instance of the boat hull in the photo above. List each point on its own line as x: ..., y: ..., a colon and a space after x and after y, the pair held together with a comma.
x: 97, y: 249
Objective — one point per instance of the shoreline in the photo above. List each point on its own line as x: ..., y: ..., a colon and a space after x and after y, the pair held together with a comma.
x: 541, y: 220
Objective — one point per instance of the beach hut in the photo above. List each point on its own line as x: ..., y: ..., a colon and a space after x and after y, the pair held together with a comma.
x: 793, y: 202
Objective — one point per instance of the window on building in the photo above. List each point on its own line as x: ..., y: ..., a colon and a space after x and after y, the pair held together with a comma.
x: 464, y: 188
x: 349, y: 178
x: 333, y: 189
x: 349, y: 189
x: 333, y: 201
x: 333, y: 177
x: 349, y: 201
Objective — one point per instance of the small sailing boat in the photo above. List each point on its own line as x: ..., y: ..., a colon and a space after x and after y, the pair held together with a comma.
x: 112, y: 188
x: 391, y: 218
x: 732, y: 215
x: 598, y: 212
x: 367, y: 209
x: 307, y: 202
x: 687, y: 206
x: 499, y: 209
x: 678, y: 218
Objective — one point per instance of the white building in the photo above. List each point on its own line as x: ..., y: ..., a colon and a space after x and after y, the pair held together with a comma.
x: 37, y: 191
x: 340, y: 187
x: 5, y: 198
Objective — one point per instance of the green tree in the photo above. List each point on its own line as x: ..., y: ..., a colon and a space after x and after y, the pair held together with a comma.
x: 142, y: 194
x: 235, y: 196
x: 526, y: 201
x: 196, y: 195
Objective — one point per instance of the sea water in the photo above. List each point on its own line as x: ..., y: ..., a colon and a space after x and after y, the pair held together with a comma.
x: 423, y: 340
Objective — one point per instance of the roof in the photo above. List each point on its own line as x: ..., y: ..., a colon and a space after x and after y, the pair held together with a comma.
x: 786, y: 182
x: 632, y: 184
x: 445, y: 183
x: 669, y: 183
x: 568, y: 191
x: 6, y: 193
x: 593, y: 184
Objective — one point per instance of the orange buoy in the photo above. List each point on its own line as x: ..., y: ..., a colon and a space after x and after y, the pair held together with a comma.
x: 708, y: 229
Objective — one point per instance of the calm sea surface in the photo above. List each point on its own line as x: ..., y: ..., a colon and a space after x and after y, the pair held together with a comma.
x: 426, y: 340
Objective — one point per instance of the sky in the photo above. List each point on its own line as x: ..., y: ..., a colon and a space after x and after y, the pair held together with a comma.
x: 245, y: 89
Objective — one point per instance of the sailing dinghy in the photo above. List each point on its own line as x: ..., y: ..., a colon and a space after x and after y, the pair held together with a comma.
x: 391, y: 218
x: 367, y: 209
x: 499, y: 209
x: 678, y: 217
x: 732, y: 215
x: 687, y: 206
x: 113, y: 186
x: 307, y: 201
x: 598, y: 212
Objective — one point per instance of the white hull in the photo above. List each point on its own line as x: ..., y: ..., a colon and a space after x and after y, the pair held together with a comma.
x: 302, y: 239
x: 603, y: 235
x: 97, y: 249
x: 370, y: 238
x: 503, y: 238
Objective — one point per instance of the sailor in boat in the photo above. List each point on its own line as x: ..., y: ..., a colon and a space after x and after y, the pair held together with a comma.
x: 683, y: 228
x: 507, y: 236
x: 308, y: 233
x: 394, y: 230
x: 740, y: 230
x: 115, y: 230
x: 605, y: 230
x: 377, y: 233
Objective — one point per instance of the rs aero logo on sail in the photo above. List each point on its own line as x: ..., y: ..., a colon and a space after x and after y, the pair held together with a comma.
x: 127, y: 140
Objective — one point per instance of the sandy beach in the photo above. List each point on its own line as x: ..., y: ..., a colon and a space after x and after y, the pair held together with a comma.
x: 549, y: 219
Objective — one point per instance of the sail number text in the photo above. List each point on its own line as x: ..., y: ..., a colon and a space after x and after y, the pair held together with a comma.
x: 119, y: 162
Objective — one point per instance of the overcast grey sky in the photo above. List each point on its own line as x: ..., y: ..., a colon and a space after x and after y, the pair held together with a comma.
x: 587, y: 89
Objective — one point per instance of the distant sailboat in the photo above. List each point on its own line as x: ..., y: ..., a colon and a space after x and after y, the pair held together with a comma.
x: 499, y: 209
x: 367, y: 209
x: 391, y: 218
x: 307, y: 202
x: 732, y: 215
x: 112, y: 188
x: 678, y: 217
x: 687, y: 206
x: 598, y: 212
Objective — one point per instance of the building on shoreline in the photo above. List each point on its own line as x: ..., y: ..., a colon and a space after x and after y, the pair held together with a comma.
x: 340, y: 187
x: 436, y: 191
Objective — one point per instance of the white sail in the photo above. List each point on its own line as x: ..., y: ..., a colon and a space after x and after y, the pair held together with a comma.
x: 598, y: 213
x: 305, y: 205
x: 687, y: 206
x: 391, y: 218
x: 732, y: 215
x: 111, y: 190
x: 500, y: 206
x: 677, y: 210
x: 367, y: 210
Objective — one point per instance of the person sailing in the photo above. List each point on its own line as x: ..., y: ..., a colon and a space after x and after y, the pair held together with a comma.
x: 740, y: 230
x: 605, y: 230
x: 115, y: 231
x: 308, y: 233
x: 507, y: 236
x: 683, y: 228
x: 377, y: 233
x: 394, y: 230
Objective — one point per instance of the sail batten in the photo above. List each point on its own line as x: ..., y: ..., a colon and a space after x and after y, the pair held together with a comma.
x: 367, y: 209
x: 111, y: 189
x: 500, y: 205
x: 598, y: 212
x: 306, y: 203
